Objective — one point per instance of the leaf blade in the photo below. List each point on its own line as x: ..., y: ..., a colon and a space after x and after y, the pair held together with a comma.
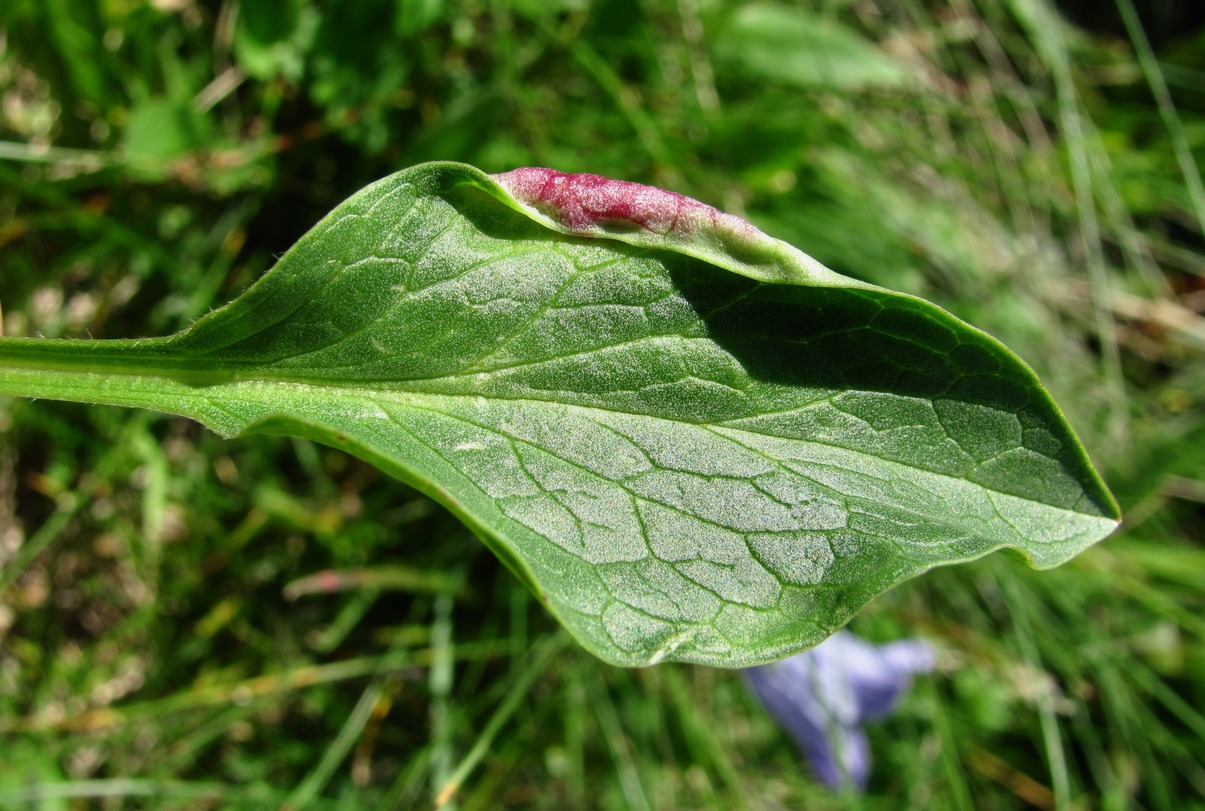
x: 686, y: 454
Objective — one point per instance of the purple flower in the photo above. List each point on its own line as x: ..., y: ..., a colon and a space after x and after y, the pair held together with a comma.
x: 823, y: 696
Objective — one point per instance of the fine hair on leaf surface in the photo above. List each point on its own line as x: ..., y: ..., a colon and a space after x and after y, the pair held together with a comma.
x: 691, y: 441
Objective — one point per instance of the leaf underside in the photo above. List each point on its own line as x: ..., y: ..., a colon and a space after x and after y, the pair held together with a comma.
x: 682, y: 460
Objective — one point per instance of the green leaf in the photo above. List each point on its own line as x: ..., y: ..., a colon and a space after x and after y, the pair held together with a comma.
x: 689, y: 439
x: 794, y: 47
x: 272, y: 40
x: 162, y: 128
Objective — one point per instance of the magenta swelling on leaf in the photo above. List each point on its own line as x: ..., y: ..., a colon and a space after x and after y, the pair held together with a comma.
x: 692, y: 441
x: 589, y: 205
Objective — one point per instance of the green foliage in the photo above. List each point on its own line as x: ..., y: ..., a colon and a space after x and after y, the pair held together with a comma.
x: 152, y: 652
x: 683, y: 462
x: 779, y: 43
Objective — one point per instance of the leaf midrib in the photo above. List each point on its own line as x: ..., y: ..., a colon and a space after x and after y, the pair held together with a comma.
x: 401, y: 396
x: 151, y: 359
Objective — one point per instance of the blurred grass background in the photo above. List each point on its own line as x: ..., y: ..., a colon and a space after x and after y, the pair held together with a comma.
x: 187, y: 622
